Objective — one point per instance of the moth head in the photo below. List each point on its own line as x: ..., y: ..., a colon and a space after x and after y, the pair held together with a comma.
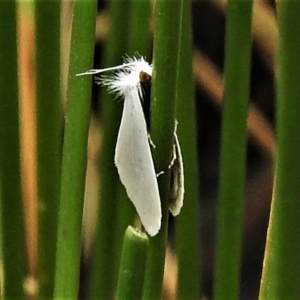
x: 145, y: 77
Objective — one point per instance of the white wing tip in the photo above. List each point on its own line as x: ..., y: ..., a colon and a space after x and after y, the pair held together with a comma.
x: 153, y: 230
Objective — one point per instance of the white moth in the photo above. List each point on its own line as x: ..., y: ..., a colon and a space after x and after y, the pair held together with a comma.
x: 133, y: 157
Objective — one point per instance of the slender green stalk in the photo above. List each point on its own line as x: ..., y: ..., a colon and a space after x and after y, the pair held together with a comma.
x: 75, y: 151
x: 165, y: 75
x: 13, y: 241
x: 281, y: 273
x: 49, y: 131
x: 133, y: 264
x: 187, y: 223
x: 110, y: 230
x: 138, y: 37
x: 136, y: 43
x: 116, y: 211
x: 233, y: 149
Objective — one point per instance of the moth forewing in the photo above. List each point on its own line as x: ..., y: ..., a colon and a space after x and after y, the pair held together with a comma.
x: 177, y: 179
x: 135, y: 165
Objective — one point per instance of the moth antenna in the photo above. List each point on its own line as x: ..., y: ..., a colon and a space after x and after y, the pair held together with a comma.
x: 97, y: 71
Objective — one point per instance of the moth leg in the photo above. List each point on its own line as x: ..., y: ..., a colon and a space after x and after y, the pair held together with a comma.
x: 175, y: 146
x: 151, y: 142
x: 159, y: 173
x: 174, y: 155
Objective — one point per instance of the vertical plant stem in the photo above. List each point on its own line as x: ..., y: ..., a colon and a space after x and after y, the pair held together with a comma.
x: 75, y: 151
x: 281, y: 273
x: 233, y: 149
x: 110, y: 229
x: 138, y: 40
x: 163, y: 106
x: 49, y: 131
x: 187, y: 223
x: 116, y: 211
x: 12, y: 219
x: 133, y: 264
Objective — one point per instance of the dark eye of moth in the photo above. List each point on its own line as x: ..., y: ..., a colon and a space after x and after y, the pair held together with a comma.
x: 145, y: 77
x: 145, y: 81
